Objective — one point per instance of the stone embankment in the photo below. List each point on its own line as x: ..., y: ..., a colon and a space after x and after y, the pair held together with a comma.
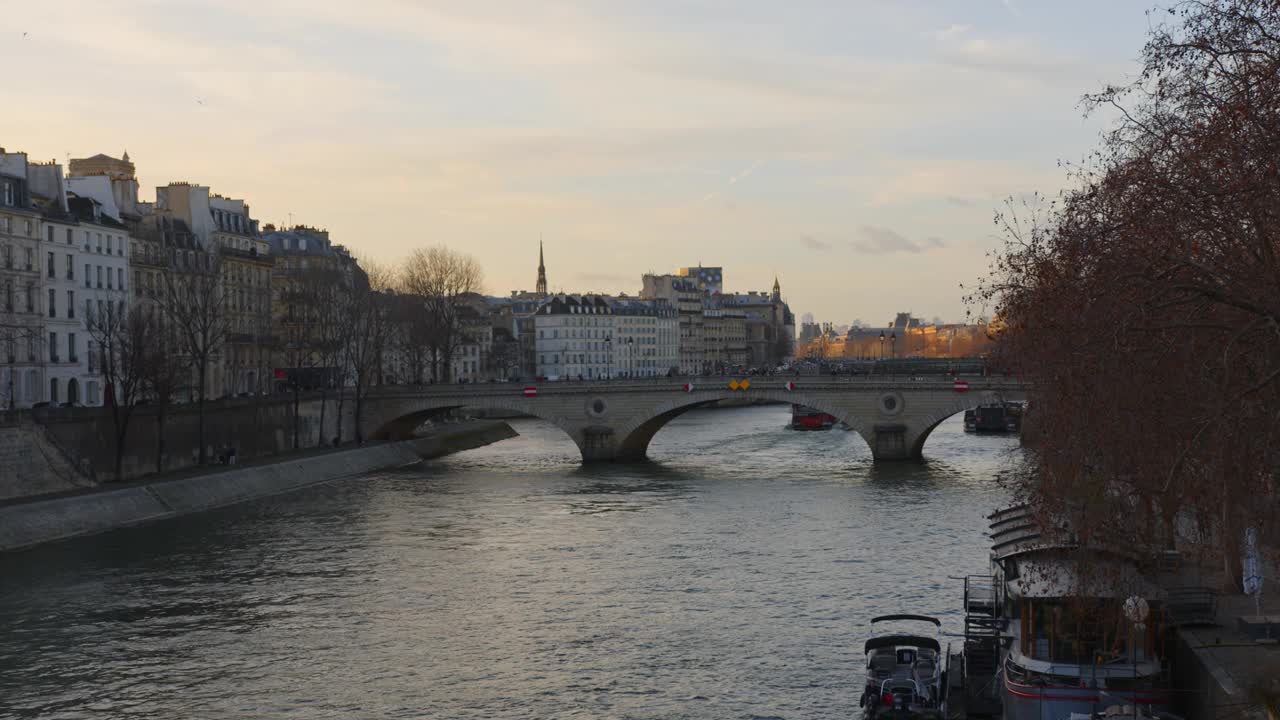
x: 41, y: 520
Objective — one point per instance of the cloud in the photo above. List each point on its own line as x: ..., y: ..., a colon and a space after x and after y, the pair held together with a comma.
x: 814, y: 243
x: 951, y: 31
x: 1018, y: 57
x: 881, y: 240
x: 744, y: 174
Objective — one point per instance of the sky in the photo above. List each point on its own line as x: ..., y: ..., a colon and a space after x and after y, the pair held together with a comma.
x: 856, y: 149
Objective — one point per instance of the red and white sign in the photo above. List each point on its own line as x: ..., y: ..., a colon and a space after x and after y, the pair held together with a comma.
x: 790, y: 385
x: 531, y: 391
x: 961, y: 386
x: 688, y: 387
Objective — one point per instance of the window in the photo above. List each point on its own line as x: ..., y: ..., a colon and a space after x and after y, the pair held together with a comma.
x: 71, y: 347
x: 120, y: 278
x: 53, y: 347
x: 71, y: 266
x: 31, y: 259
x: 31, y: 297
x: 86, y: 275
x: 8, y: 256
x: 50, y: 229
x: 53, y: 303
x: 92, y: 360
x: 109, y: 239
x: 71, y: 303
x: 8, y: 194
x: 49, y: 265
x: 99, y: 242
x: 88, y: 310
x: 108, y: 278
x: 69, y: 231
x: 86, y: 241
x: 99, y: 276
x: 8, y: 295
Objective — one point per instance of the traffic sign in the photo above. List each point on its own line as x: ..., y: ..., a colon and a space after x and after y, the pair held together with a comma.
x: 961, y: 386
x: 733, y: 384
x: 530, y: 391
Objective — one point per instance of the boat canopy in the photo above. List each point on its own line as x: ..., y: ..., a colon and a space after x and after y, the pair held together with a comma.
x: 922, y: 618
x: 888, y: 641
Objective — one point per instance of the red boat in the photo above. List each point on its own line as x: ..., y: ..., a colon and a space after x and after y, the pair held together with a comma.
x: 806, y: 418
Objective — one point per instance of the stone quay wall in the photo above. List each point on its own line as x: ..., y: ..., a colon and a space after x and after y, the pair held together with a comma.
x: 38, y: 521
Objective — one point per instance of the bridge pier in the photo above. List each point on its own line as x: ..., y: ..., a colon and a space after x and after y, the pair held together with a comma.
x: 893, y: 441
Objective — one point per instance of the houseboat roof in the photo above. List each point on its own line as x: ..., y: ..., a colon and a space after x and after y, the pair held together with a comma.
x: 886, y: 641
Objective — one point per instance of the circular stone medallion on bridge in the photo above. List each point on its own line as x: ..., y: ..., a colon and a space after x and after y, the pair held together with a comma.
x: 596, y: 407
x: 890, y: 404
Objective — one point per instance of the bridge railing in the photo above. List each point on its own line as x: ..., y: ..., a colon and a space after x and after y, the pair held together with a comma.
x: 714, y: 382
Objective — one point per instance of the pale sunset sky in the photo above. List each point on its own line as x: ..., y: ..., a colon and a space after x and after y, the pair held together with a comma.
x: 855, y: 148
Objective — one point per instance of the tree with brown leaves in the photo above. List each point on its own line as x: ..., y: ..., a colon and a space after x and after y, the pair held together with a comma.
x: 1146, y: 302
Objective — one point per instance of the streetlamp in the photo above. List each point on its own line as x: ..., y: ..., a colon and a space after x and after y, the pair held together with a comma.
x: 893, y: 345
x: 881, y: 344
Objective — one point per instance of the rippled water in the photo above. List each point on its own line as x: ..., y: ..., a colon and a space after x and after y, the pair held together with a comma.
x: 732, y: 577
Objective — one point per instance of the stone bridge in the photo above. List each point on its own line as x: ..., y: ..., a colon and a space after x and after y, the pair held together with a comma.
x: 616, y: 419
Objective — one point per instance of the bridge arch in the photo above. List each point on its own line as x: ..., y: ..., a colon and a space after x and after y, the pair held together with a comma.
x: 399, y: 420
x: 961, y: 403
x: 635, y: 434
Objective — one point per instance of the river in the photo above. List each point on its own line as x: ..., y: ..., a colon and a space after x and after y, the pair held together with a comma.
x: 731, y: 577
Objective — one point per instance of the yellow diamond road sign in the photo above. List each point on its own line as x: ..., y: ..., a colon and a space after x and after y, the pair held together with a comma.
x: 744, y: 385
x: 733, y: 384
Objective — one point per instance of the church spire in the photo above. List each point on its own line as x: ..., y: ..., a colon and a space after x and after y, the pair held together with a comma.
x: 541, y: 287
x: 777, y: 290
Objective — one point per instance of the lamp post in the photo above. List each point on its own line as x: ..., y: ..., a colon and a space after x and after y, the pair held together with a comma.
x: 881, y: 344
x: 893, y: 345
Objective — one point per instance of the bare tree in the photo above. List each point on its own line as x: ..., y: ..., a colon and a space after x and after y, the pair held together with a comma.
x: 440, y: 276
x: 124, y: 340
x: 165, y: 370
x: 192, y: 301
x: 368, y: 312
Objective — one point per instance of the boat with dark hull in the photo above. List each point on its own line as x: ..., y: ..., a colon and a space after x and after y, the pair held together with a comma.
x: 906, y: 670
x: 998, y: 417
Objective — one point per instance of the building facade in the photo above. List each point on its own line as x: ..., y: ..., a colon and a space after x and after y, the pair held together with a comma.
x: 308, y: 271
x: 246, y: 267
x: 687, y: 298
x: 646, y: 338
x: 574, y: 337
x: 22, y: 383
